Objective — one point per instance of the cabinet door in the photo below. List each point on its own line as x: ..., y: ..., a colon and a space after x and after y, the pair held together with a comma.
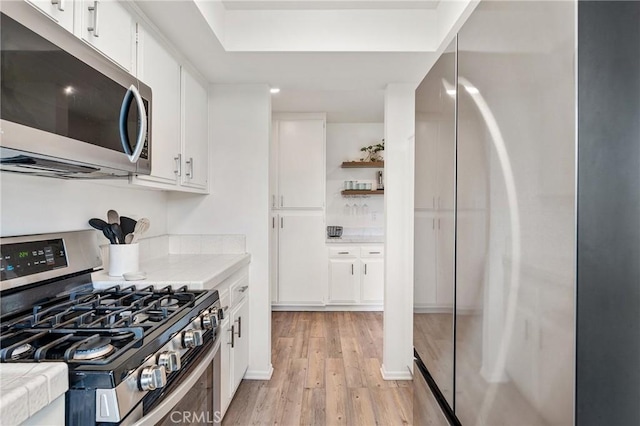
x: 301, y: 163
x: 425, y: 273
x: 372, y: 288
x: 160, y: 71
x: 344, y: 277
x: 226, y: 390
x: 302, y: 273
x: 195, y: 132
x: 61, y: 11
x: 240, y: 347
x: 111, y: 29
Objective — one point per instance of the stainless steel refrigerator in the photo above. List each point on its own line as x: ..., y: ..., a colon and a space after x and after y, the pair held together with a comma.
x: 527, y: 218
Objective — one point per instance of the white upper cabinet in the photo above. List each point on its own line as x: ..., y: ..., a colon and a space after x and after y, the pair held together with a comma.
x: 195, y: 131
x: 160, y: 71
x: 179, y: 120
x: 300, y: 145
x: 60, y: 11
x: 109, y: 27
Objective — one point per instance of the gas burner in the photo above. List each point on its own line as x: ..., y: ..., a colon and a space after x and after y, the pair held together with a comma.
x: 93, y: 350
x: 22, y: 351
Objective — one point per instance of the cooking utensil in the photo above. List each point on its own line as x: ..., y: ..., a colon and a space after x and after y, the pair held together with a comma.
x: 127, y: 224
x: 109, y: 234
x: 117, y: 231
x: 141, y: 227
x: 98, y: 224
x: 113, y: 217
x: 128, y: 238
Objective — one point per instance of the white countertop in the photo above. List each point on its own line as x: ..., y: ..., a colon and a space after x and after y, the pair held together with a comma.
x: 357, y: 239
x: 198, y: 271
x: 26, y: 388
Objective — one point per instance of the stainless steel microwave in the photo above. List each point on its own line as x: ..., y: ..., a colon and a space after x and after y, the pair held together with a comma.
x: 67, y: 111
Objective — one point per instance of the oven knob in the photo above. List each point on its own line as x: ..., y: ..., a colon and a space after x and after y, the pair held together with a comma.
x: 191, y: 338
x: 208, y: 320
x: 152, y: 378
x: 170, y: 360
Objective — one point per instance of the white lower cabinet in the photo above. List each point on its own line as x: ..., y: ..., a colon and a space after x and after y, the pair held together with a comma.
x: 372, y: 284
x: 301, y: 277
x: 239, y: 332
x: 234, y: 341
x: 356, y: 275
x: 344, y: 280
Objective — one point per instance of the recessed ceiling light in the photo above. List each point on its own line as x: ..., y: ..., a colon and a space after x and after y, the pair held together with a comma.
x: 275, y: 90
x: 69, y: 90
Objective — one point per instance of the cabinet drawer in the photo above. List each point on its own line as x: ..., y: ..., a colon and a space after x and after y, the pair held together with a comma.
x: 343, y: 252
x: 371, y: 251
x: 238, y: 289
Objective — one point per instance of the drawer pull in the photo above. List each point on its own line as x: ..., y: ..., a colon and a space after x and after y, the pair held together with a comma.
x: 343, y: 252
x: 243, y: 288
x: 239, y: 320
x: 374, y: 252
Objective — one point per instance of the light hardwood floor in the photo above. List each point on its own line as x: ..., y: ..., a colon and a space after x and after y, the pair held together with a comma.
x: 326, y: 372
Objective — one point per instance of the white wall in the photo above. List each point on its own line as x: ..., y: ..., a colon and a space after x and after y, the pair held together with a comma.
x: 240, y: 121
x: 344, y: 141
x: 33, y: 204
x: 399, y: 116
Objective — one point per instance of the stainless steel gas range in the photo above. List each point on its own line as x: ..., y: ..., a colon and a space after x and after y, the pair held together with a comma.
x: 135, y: 355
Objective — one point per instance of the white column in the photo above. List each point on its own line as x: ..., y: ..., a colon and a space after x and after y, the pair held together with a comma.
x: 399, y: 122
x: 239, y: 133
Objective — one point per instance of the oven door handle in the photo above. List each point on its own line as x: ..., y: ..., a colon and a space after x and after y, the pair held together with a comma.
x: 168, y: 403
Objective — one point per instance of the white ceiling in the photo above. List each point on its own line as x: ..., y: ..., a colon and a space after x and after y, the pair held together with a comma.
x: 348, y: 86
x: 328, y: 4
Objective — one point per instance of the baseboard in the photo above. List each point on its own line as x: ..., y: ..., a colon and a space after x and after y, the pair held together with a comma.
x: 327, y: 308
x: 259, y: 374
x: 432, y: 309
x: 396, y: 375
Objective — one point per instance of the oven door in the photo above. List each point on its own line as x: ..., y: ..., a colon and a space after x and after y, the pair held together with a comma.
x: 195, y: 400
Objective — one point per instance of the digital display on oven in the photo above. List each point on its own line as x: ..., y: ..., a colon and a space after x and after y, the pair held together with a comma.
x: 22, y: 259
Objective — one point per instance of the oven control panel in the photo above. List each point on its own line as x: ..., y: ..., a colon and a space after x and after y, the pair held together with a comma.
x: 32, y: 257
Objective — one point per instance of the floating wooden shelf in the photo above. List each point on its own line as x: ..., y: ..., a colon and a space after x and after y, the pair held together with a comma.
x: 362, y: 192
x: 363, y: 164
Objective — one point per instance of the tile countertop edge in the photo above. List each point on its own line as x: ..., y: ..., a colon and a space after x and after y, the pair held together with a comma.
x: 223, y: 267
x: 26, y: 388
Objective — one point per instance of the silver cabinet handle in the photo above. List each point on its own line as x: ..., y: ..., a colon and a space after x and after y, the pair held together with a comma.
x: 178, y: 169
x: 273, y: 222
x: 282, y: 201
x: 189, y: 164
x: 343, y: 252
x: 233, y: 335
x: 60, y: 4
x: 352, y: 269
x: 374, y: 252
x: 273, y: 200
x: 365, y: 269
x: 281, y: 222
x: 239, y: 321
x: 433, y: 224
x: 438, y: 223
x: 94, y: 28
x: 243, y: 288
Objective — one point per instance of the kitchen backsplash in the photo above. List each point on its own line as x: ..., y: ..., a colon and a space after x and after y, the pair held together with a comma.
x: 163, y: 245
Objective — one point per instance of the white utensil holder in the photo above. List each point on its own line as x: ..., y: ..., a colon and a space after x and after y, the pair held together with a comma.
x: 123, y: 258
